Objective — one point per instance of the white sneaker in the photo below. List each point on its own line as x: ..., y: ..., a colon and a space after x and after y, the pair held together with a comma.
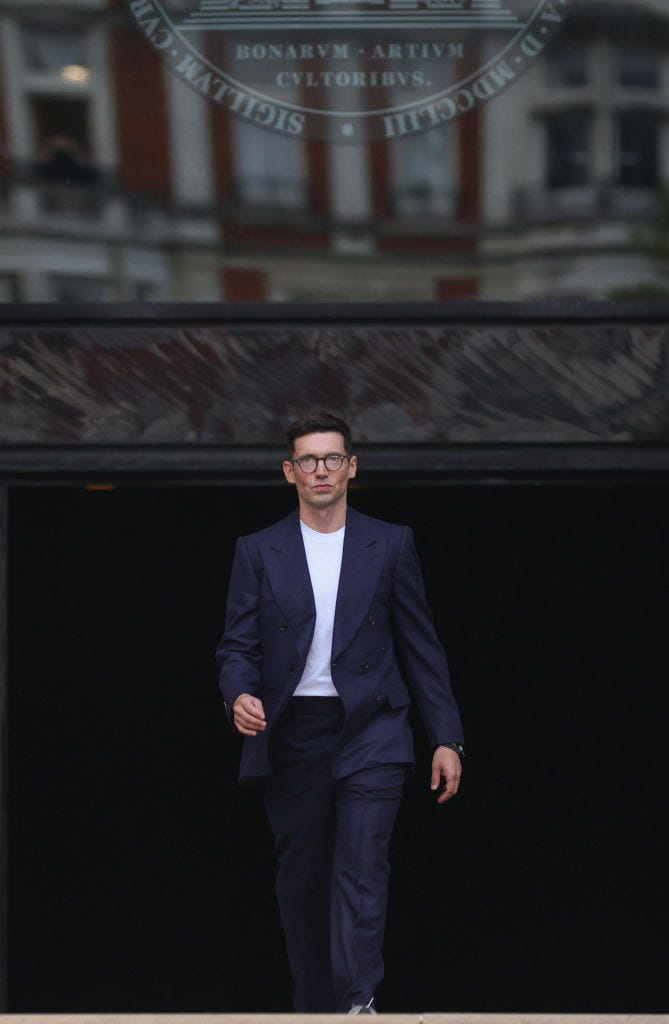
x: 364, y: 1007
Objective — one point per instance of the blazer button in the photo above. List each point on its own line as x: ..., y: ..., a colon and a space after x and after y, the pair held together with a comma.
x: 377, y: 697
x: 291, y: 671
x: 283, y: 627
x: 372, y: 622
x: 364, y: 665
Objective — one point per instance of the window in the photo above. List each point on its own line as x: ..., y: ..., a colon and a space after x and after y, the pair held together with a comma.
x: 422, y: 170
x: 9, y: 291
x: 60, y: 137
x: 56, y: 52
x: 69, y: 289
x: 57, y: 86
x: 567, y: 66
x: 270, y: 168
x: 568, y: 138
x: 637, y: 68
x: 57, y: 95
x: 125, y: 159
x: 606, y: 140
x: 143, y: 291
x: 62, y: 166
x: 638, y: 151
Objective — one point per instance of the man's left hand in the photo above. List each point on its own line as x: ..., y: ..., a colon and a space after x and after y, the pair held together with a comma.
x: 446, y: 772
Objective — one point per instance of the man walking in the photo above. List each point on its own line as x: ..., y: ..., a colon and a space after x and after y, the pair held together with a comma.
x: 327, y: 640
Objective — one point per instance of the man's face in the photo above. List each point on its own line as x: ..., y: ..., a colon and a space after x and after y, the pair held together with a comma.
x: 323, y: 487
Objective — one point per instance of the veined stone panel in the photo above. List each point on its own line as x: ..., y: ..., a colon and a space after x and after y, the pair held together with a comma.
x: 415, y: 384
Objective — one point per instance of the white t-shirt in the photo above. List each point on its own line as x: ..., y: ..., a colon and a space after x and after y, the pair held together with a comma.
x: 324, y: 553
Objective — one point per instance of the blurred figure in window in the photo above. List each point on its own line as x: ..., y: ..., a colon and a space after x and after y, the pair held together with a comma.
x: 63, y: 161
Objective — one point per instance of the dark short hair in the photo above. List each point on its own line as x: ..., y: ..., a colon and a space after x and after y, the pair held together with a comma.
x: 318, y: 422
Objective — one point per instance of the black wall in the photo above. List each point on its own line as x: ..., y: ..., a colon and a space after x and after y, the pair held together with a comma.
x: 141, y: 876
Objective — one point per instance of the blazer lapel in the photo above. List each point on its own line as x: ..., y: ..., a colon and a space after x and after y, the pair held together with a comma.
x: 362, y: 562
x: 288, y: 573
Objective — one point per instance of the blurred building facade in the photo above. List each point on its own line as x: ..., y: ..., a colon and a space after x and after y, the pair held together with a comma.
x: 119, y: 182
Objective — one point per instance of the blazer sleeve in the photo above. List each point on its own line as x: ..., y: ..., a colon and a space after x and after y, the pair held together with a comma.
x: 239, y: 652
x: 421, y: 656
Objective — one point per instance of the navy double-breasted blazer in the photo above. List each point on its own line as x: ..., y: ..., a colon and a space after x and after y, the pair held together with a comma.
x: 384, y: 649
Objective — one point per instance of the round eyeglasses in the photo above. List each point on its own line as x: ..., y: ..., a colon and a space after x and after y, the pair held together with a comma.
x: 333, y: 462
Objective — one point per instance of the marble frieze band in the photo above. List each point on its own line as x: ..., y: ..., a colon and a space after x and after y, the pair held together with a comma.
x: 237, y: 384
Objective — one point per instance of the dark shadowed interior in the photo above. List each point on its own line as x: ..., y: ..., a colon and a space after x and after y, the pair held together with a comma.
x: 139, y: 871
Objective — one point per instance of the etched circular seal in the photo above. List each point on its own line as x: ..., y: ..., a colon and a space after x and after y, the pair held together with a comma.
x: 349, y: 70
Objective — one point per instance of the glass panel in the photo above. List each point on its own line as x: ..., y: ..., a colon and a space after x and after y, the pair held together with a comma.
x: 270, y: 169
x: 638, y: 68
x: 62, y: 142
x: 422, y: 174
x: 65, y: 288
x: 7, y: 288
x: 273, y: 150
x: 55, y: 51
x: 568, y: 150
x: 638, y: 150
x: 567, y: 65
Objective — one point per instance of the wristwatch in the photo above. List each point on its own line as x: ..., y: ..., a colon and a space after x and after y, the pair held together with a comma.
x: 457, y: 747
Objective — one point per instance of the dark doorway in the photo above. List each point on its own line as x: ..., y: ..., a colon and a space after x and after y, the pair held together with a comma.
x: 140, y: 875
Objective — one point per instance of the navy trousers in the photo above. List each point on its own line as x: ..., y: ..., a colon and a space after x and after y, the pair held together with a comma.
x: 331, y: 843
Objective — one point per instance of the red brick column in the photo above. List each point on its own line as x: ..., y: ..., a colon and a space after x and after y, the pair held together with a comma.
x: 141, y: 115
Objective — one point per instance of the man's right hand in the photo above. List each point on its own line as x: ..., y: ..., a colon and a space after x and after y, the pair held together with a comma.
x: 249, y: 715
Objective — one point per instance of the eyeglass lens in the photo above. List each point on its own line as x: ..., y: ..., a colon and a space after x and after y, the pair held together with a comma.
x: 309, y: 462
